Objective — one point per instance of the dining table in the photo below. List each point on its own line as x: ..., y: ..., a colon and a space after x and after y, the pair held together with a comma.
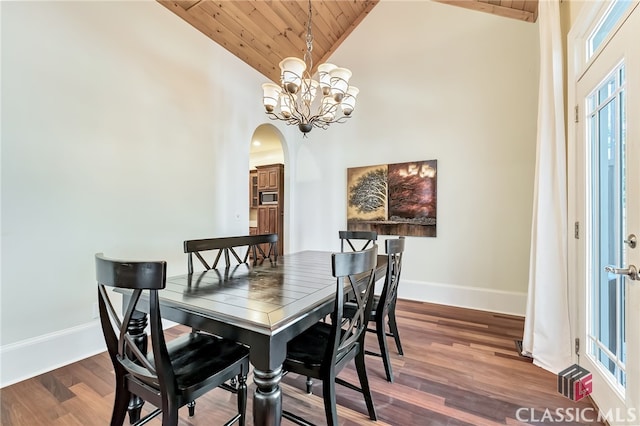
x: 262, y: 306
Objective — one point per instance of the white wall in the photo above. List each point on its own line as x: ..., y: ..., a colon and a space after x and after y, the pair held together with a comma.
x: 446, y: 83
x: 120, y: 134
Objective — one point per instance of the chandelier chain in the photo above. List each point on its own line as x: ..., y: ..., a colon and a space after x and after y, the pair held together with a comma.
x: 308, y: 58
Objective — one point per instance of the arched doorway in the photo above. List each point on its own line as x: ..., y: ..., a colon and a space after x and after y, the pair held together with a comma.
x: 267, y: 183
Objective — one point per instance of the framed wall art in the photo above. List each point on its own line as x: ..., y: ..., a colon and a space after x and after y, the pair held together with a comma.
x: 393, y: 199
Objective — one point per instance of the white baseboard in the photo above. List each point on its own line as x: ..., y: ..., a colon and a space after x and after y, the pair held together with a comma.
x: 505, y: 302
x: 31, y: 357
x: 23, y: 360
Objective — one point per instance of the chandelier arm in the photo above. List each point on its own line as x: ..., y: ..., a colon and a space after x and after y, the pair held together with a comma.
x: 302, y: 105
x: 342, y: 119
x: 317, y: 121
x: 321, y: 125
x: 297, y: 115
x: 276, y: 116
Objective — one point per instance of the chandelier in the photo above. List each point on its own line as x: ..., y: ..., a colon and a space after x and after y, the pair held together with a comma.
x: 295, y: 100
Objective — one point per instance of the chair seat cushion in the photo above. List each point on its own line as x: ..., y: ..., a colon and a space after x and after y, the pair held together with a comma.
x: 306, y: 352
x: 309, y: 347
x: 351, y: 307
x: 197, y: 356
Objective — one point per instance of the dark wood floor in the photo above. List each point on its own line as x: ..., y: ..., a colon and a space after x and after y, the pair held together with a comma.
x: 460, y: 367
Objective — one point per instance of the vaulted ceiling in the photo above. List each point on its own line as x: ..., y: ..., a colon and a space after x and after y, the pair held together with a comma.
x: 261, y: 32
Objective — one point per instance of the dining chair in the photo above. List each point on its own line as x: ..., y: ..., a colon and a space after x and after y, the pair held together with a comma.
x: 175, y: 373
x: 355, y: 241
x: 363, y: 238
x: 259, y: 247
x: 384, y: 306
x: 324, y: 349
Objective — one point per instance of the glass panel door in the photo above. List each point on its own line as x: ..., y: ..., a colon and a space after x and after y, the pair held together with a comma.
x: 606, y: 197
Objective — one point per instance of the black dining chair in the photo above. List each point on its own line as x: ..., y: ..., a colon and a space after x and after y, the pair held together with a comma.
x: 242, y: 248
x: 356, y: 240
x: 324, y: 349
x: 350, y: 241
x: 383, y: 310
x: 175, y: 373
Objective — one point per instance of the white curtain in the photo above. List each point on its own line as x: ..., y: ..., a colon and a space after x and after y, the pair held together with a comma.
x: 547, y: 333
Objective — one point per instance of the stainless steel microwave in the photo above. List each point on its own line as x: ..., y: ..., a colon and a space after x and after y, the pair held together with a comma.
x: 268, y: 198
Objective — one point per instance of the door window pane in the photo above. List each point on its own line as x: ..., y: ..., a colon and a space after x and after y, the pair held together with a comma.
x: 606, y: 25
x: 607, y: 295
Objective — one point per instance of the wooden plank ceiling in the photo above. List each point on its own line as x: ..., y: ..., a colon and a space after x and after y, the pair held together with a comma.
x: 262, y: 33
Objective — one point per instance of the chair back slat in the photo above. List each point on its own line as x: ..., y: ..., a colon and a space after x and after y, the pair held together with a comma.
x: 230, y: 247
x: 355, y: 273
x: 389, y: 295
x: 235, y: 255
x: 364, y: 239
x: 204, y: 262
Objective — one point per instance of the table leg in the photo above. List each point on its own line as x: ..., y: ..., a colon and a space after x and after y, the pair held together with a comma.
x: 267, y: 399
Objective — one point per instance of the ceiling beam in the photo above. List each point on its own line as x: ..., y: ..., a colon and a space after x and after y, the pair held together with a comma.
x: 496, y: 9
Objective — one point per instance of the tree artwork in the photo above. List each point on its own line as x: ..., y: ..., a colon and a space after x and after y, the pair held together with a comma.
x: 393, y: 199
x: 369, y: 193
x: 412, y: 195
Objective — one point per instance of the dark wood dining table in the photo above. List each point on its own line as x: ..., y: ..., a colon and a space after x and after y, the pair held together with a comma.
x: 263, y: 306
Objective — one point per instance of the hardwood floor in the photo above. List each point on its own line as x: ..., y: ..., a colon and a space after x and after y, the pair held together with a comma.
x: 460, y: 367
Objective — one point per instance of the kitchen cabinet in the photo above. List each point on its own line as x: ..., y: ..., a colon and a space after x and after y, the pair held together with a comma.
x: 268, y: 220
x: 253, y: 189
x: 270, y: 179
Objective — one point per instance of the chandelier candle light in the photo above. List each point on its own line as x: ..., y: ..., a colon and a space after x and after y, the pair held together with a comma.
x: 296, y: 95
